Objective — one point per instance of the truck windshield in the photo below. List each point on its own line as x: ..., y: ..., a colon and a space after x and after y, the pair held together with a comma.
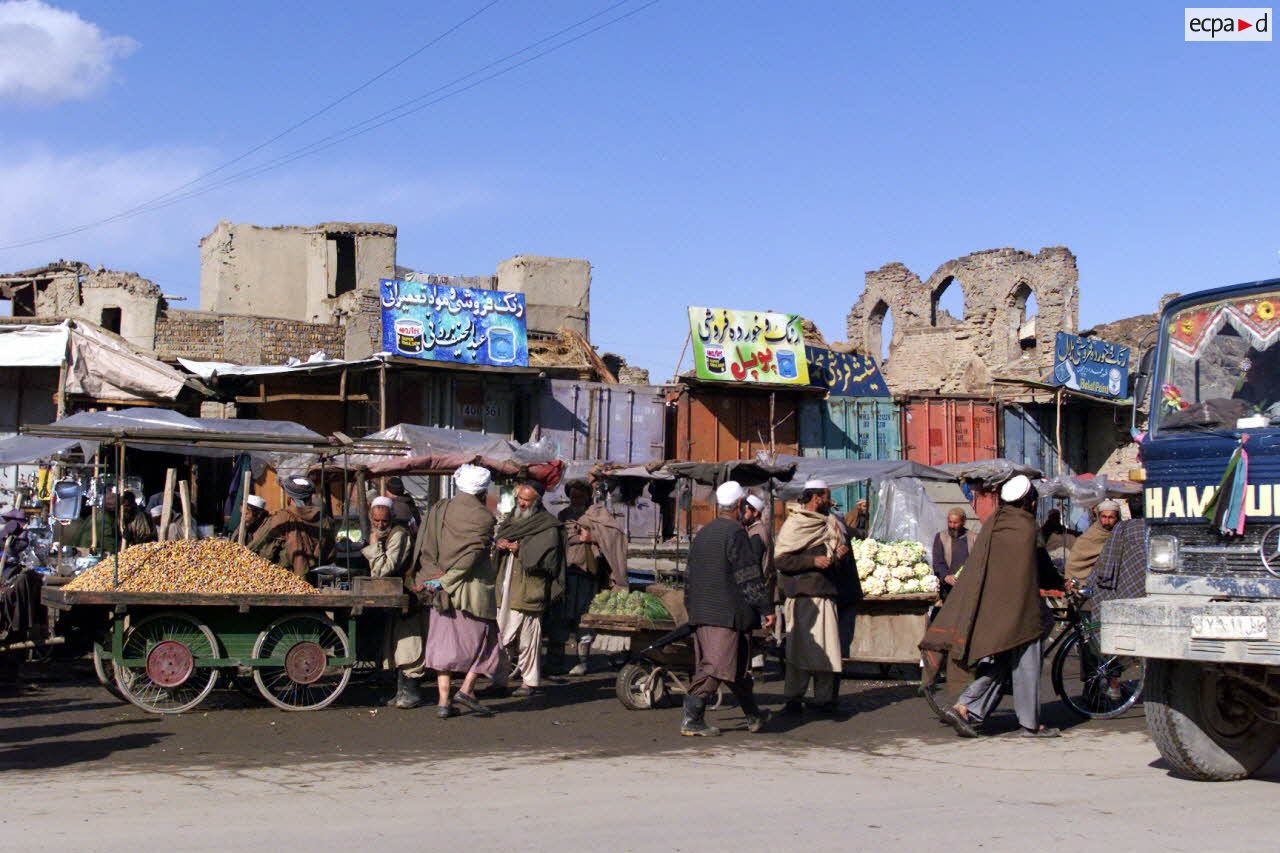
x: 1221, y: 364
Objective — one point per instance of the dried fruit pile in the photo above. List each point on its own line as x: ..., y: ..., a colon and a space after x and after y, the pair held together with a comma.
x: 209, y: 566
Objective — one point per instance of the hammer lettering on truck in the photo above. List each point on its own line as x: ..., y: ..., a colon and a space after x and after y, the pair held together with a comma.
x: 1261, y: 501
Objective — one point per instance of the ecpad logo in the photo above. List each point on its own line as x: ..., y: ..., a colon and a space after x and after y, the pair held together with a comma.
x: 1227, y: 25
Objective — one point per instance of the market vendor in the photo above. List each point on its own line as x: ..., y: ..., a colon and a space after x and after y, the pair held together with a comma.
x: 292, y: 536
x: 951, y: 548
x: 255, y: 515
x: 390, y: 553
x: 403, y: 508
x: 819, y: 580
x: 530, y: 550
x: 582, y: 580
x: 1084, y: 554
x: 454, y: 563
x: 137, y: 524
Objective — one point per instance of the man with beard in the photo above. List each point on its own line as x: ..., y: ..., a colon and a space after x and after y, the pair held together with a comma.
x: 456, y: 570
x: 990, y: 624
x: 389, y: 552
x: 725, y: 596
x: 951, y: 548
x: 530, y: 549
x: 137, y: 526
x: 1084, y: 554
x: 582, y: 580
x: 819, y: 580
x: 291, y: 537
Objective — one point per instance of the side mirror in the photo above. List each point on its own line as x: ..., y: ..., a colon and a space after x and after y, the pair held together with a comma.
x: 1147, y: 365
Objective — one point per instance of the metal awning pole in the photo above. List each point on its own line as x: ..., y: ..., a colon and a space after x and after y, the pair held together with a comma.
x: 115, y: 563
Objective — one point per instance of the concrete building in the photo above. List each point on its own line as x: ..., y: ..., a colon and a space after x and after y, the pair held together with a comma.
x: 124, y: 303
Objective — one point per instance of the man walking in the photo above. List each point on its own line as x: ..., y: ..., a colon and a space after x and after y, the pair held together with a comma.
x: 725, y: 596
x: 530, y: 549
x: 951, y: 548
x: 455, y: 569
x: 990, y: 623
x: 818, y: 579
x: 390, y: 554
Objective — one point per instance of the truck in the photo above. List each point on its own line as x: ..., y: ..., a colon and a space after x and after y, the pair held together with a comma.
x: 1208, y: 627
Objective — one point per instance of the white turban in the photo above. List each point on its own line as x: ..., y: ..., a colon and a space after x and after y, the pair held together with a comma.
x: 1109, y: 506
x: 472, y: 479
x: 380, y: 500
x: 815, y: 485
x: 729, y: 494
x: 756, y: 502
x: 1015, y: 488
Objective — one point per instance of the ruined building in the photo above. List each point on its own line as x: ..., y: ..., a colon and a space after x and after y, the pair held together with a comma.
x: 1014, y: 303
x: 121, y: 302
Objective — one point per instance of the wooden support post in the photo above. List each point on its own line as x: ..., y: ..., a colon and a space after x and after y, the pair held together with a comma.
x: 245, y: 485
x: 166, y: 504
x: 93, y: 515
x: 184, y: 495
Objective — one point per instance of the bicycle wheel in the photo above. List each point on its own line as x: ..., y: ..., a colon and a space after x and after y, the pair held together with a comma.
x: 1093, y: 685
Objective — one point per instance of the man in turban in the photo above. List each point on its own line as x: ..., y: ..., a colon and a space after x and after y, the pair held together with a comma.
x: 1084, y: 554
x: 455, y: 569
x: 292, y: 536
x: 389, y: 552
x: 990, y: 623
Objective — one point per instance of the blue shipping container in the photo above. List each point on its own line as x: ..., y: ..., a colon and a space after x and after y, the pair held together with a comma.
x: 851, y: 428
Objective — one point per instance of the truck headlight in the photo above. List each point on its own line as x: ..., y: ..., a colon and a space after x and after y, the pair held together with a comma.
x: 1162, y: 553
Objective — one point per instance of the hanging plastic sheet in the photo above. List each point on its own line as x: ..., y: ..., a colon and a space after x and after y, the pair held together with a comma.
x: 905, y: 510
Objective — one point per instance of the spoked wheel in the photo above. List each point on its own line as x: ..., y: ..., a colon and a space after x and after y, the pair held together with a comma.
x: 301, y: 677
x: 105, y: 670
x: 1094, y: 685
x: 639, y: 686
x: 168, y: 681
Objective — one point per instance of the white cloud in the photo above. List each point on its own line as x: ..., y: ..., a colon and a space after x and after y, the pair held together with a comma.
x: 49, y: 55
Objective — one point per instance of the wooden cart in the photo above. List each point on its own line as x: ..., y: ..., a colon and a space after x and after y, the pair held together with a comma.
x: 889, y: 628
x: 164, y: 652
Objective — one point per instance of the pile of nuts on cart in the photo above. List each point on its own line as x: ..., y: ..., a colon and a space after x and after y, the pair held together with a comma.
x: 191, y: 566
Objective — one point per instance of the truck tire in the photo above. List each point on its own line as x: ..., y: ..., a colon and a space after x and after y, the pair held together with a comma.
x: 1201, y: 733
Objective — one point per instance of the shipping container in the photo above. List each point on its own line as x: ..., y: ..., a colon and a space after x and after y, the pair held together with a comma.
x: 943, y: 430
x: 594, y: 422
x: 715, y: 424
x: 850, y: 428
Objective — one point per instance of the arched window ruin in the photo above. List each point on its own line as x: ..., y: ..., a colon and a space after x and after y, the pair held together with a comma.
x: 880, y: 331
x: 1023, y: 302
x: 947, y: 303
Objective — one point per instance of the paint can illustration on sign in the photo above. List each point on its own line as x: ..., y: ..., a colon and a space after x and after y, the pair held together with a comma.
x: 409, y: 336
x: 715, y: 359
x: 787, y: 364
x: 502, y: 345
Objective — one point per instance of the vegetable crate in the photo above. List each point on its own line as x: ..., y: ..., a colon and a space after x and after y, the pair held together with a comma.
x: 165, y: 652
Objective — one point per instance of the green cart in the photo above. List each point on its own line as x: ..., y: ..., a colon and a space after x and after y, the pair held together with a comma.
x: 165, y: 652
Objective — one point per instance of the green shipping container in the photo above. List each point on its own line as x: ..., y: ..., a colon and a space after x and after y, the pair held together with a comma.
x: 850, y: 428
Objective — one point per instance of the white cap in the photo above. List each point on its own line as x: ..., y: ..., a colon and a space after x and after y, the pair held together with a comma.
x: 472, y: 479
x: 1015, y: 488
x: 156, y: 511
x: 382, y: 501
x: 756, y: 502
x: 729, y: 494
x: 815, y: 485
x: 255, y: 501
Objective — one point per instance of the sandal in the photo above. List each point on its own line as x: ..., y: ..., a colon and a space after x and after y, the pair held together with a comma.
x: 962, y: 726
x: 1043, y: 731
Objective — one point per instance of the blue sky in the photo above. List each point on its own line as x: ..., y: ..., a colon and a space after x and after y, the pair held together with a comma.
x: 738, y: 154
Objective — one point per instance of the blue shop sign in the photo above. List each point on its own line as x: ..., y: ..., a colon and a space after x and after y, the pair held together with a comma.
x: 456, y: 324
x: 845, y: 374
x: 1090, y: 365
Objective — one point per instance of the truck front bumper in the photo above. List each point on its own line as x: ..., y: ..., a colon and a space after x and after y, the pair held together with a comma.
x: 1182, y: 627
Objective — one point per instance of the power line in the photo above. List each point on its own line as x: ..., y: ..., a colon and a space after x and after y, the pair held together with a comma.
x: 146, y: 205
x: 379, y: 120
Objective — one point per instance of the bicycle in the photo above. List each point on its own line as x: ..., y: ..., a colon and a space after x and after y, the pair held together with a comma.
x: 1093, y: 685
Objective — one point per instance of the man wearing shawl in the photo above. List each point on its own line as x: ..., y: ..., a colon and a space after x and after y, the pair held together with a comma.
x: 389, y: 552
x: 291, y: 537
x: 583, y: 578
x: 454, y: 568
x: 818, y: 578
x: 530, y: 550
x: 1084, y: 554
x: 990, y: 624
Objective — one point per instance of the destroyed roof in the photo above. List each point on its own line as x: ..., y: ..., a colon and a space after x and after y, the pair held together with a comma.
x: 568, y: 350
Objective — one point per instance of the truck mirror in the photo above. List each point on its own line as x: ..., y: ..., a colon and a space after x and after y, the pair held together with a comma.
x: 1148, y: 362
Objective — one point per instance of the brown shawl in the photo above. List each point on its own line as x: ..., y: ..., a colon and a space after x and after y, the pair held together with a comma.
x: 454, y: 545
x: 1084, y: 554
x: 609, y: 541
x: 995, y: 603
x: 290, y: 538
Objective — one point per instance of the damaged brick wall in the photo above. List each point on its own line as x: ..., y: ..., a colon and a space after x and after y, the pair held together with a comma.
x: 207, y: 336
x: 932, y: 352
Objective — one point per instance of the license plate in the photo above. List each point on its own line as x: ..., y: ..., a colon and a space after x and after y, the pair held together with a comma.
x: 1212, y: 627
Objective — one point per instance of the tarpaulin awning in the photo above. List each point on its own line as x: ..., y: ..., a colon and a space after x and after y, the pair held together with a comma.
x: 991, y: 472
x: 33, y: 346
x: 436, y: 450
x: 845, y: 472
x: 746, y: 472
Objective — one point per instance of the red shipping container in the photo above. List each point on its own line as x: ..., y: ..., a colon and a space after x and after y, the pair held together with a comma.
x: 940, y: 431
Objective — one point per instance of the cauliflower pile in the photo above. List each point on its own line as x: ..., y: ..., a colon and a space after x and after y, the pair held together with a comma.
x: 893, y: 568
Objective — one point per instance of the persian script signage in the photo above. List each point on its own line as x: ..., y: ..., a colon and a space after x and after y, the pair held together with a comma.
x: 456, y: 324
x: 1090, y: 365
x: 845, y: 374
x: 748, y: 346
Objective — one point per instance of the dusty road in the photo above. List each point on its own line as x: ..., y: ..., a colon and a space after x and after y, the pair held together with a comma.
x: 574, y: 771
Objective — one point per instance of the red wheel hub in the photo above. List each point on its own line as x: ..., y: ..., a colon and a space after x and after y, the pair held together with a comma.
x: 170, y: 663
x: 305, y: 663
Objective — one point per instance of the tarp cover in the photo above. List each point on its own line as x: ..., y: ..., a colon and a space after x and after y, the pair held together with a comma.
x: 106, y: 368
x: 436, y: 450
x: 845, y: 472
x: 747, y: 472
x: 992, y: 473
x: 33, y: 346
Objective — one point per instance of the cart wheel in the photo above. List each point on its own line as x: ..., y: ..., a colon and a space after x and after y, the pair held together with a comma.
x: 169, y: 682
x: 101, y: 665
x: 304, y: 643
x: 635, y: 687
